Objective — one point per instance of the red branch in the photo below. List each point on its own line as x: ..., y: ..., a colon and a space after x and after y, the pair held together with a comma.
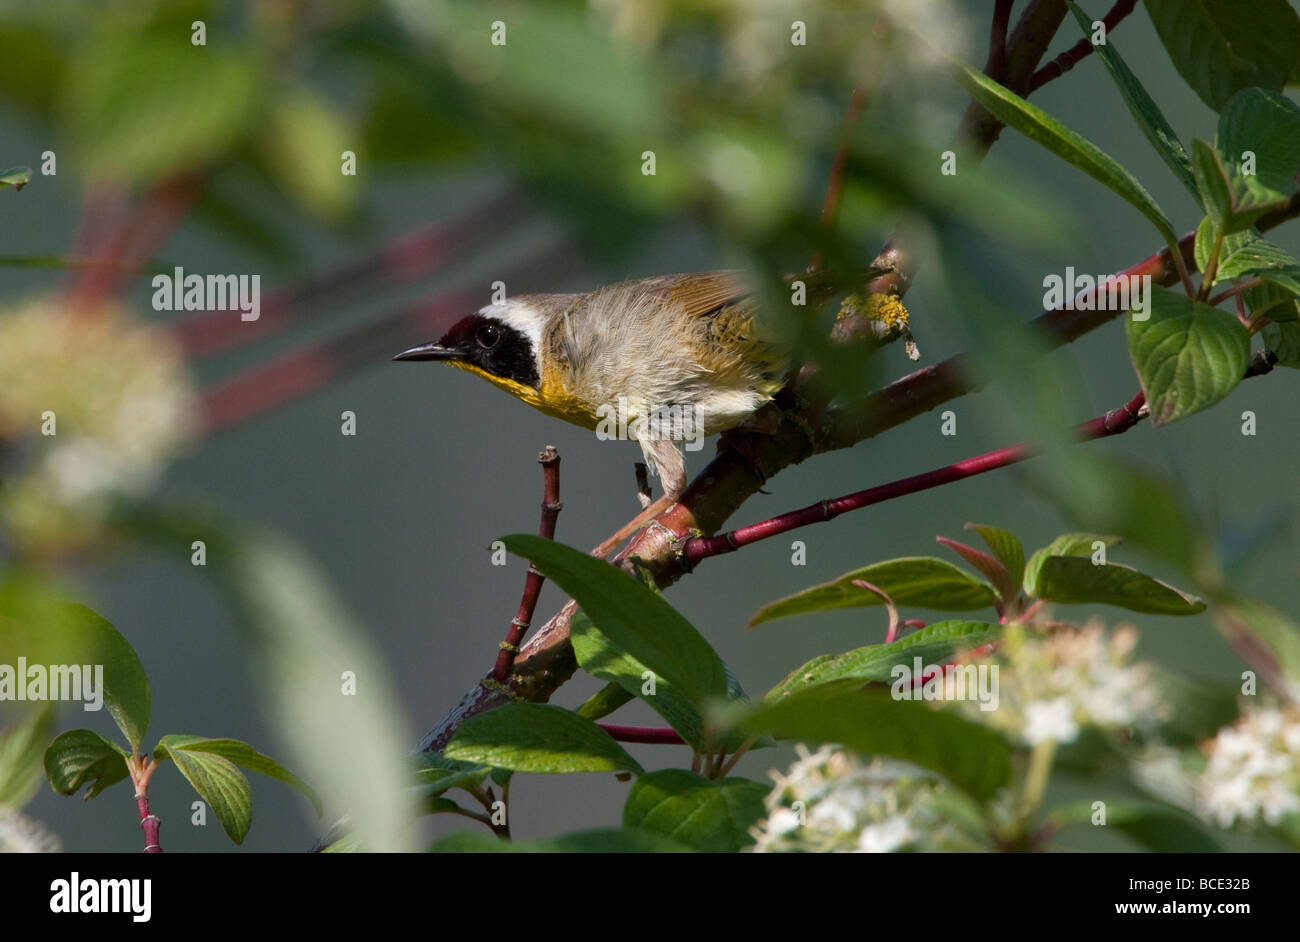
x: 550, y: 462
x: 1111, y: 423
x: 1080, y: 50
x: 647, y: 734
x: 150, y: 823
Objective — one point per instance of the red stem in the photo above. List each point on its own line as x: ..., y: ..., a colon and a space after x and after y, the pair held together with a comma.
x: 1111, y: 423
x: 1080, y: 50
x: 646, y: 734
x: 150, y: 823
x: 550, y: 462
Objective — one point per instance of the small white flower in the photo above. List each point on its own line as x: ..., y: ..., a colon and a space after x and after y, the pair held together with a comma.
x: 885, y: 838
x: 1050, y: 719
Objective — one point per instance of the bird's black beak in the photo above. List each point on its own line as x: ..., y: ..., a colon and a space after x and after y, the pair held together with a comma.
x: 428, y: 351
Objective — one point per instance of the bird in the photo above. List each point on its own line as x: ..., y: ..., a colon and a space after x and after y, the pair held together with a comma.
x: 663, y: 361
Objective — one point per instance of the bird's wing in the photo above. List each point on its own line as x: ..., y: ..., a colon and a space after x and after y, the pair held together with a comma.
x: 703, y: 293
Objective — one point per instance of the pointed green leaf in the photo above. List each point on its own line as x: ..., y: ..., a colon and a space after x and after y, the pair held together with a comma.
x: 245, y: 756
x: 605, y: 700
x: 1220, y: 46
x: 81, y: 756
x: 1072, y: 580
x: 1279, y: 304
x: 1144, y: 110
x: 217, y: 781
x: 712, y: 817
x: 933, y: 644
x: 1005, y: 546
x: 537, y: 737
x: 921, y: 581
x: 1042, y: 128
x: 1265, y: 125
x: 1212, y: 184
x: 1245, y: 253
x: 1189, y: 355
x: 599, y: 656
x: 1067, y: 544
x: 992, y: 568
x: 639, y: 621
x: 973, y: 757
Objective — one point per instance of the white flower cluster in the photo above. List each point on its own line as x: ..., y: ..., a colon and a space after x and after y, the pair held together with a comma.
x: 114, y: 395
x: 1052, y: 687
x: 1253, y: 769
x: 829, y: 801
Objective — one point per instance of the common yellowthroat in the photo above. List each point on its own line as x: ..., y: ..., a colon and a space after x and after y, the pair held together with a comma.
x: 661, y: 361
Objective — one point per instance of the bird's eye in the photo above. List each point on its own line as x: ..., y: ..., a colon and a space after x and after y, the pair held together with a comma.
x: 488, y: 335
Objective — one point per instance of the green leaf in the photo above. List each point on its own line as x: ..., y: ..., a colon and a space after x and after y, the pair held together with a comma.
x: 638, y: 620
x: 143, y: 104
x: 1267, y: 125
x: 16, y: 177
x: 1284, y: 341
x: 245, y: 756
x: 1067, y: 544
x: 1144, y: 110
x: 1071, y: 580
x: 933, y: 644
x: 973, y: 757
x: 1212, y: 184
x: 81, y: 756
x: 1042, y: 128
x: 1218, y: 47
x: 1278, y: 303
x: 992, y: 568
x: 605, y: 700
x: 304, y: 145
x: 537, y: 737
x: 1245, y: 253
x: 48, y: 630
x: 217, y: 781
x: 1189, y: 355
x: 602, y: 841
x: 22, y: 746
x: 599, y: 656
x: 712, y: 817
x: 1005, y: 547
x: 438, y: 774
x: 921, y: 581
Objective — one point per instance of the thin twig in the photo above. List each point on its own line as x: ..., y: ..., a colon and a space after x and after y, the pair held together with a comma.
x: 549, y: 459
x: 1080, y: 50
x: 1111, y: 423
x: 654, y: 735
